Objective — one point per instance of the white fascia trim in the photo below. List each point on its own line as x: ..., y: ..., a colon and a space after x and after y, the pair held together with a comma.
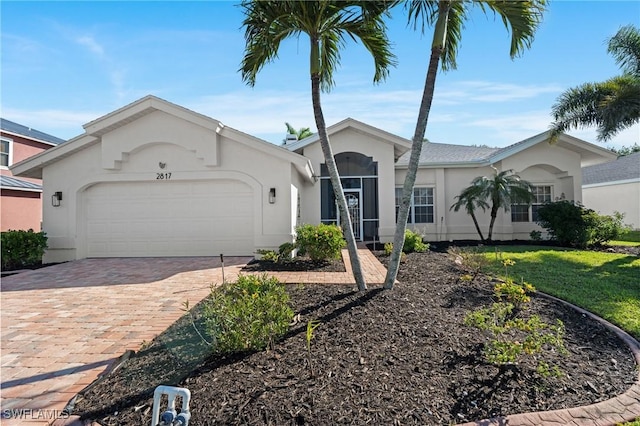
x: 613, y: 182
x: 49, y: 156
x: 459, y: 164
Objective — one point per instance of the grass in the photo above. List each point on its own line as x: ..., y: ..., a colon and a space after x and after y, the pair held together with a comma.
x: 631, y: 238
x: 607, y: 284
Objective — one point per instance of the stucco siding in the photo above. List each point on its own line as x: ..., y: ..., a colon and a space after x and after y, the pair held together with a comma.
x: 21, y: 210
x: 609, y: 198
x: 139, y: 154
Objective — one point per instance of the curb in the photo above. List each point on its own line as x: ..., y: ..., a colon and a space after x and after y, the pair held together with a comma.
x: 612, y: 412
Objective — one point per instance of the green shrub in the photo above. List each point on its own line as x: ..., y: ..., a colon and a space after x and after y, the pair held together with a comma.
x: 413, y: 243
x: 565, y: 223
x: 268, y: 255
x: 282, y: 255
x: 320, y: 242
x: 249, y: 314
x: 388, y: 248
x: 285, y: 250
x: 510, y: 335
x: 602, y: 229
x: 573, y: 225
x: 22, y: 248
x: 535, y: 235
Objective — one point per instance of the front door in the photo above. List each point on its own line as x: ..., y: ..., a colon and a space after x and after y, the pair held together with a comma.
x: 353, y: 206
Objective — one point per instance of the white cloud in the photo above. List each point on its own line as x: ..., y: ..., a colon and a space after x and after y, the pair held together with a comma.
x: 64, y: 124
x: 487, y: 91
x: 91, y: 44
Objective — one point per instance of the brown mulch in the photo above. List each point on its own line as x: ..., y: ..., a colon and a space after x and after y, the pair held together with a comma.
x: 295, y: 265
x: 379, y: 357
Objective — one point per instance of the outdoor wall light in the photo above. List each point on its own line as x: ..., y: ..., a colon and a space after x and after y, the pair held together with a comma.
x: 272, y: 196
x: 56, y: 198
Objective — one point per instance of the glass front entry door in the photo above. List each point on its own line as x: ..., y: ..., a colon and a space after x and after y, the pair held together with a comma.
x: 353, y: 206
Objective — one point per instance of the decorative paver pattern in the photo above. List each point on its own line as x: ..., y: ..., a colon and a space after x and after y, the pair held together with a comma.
x: 64, y: 324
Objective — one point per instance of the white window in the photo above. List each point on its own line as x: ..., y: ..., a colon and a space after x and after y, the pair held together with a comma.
x: 421, y: 208
x: 6, y: 156
x: 524, y: 213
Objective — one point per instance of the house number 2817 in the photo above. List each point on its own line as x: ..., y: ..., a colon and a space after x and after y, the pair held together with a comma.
x: 163, y: 176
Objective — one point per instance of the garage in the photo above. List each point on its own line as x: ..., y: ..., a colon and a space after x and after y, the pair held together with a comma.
x: 169, y: 218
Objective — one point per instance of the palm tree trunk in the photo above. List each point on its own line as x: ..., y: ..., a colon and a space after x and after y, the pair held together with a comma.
x: 335, y: 182
x: 494, y: 214
x: 475, y: 222
x: 416, y: 145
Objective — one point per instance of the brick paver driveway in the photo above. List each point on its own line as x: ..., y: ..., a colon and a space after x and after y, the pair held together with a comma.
x: 64, y: 324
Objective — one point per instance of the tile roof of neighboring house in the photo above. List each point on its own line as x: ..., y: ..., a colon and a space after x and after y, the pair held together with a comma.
x: 28, y: 132
x: 446, y: 153
x: 9, y: 182
x: 624, y: 168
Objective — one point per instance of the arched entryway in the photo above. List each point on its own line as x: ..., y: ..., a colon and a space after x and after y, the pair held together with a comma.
x: 359, y: 178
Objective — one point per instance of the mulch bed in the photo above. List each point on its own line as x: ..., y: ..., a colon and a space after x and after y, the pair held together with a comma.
x: 295, y: 265
x: 378, y: 357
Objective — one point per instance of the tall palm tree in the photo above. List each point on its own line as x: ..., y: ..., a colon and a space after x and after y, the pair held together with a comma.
x: 470, y: 199
x: 521, y: 18
x: 328, y: 24
x: 612, y: 105
x: 302, y: 133
x: 503, y: 189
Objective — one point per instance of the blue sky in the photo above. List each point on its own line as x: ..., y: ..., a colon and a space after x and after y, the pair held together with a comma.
x: 67, y: 63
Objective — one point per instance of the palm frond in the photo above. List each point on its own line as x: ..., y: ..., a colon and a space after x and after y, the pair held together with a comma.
x: 612, y: 105
x: 624, y: 46
x: 521, y: 18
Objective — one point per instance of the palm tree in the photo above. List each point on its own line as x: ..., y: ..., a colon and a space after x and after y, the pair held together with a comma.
x: 612, y: 105
x: 471, y: 200
x: 448, y: 16
x: 328, y: 24
x: 503, y: 189
x: 300, y: 134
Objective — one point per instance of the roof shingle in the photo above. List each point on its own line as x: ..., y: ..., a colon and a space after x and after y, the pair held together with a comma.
x: 446, y: 153
x: 624, y: 168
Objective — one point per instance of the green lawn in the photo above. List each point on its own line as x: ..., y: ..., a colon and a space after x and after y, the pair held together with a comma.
x: 606, y: 284
x: 631, y: 238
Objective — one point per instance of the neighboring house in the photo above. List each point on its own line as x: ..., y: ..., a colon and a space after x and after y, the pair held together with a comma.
x: 156, y: 179
x: 614, y: 186
x: 21, y: 198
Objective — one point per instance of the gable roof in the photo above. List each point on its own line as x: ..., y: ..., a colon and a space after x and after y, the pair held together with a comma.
x: 443, y: 155
x: 626, y: 168
x: 14, y: 128
x: 400, y: 145
x: 94, y: 130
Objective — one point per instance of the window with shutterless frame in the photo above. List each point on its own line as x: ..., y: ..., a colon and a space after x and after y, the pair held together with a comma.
x: 421, y: 209
x: 6, y: 145
x: 525, y: 213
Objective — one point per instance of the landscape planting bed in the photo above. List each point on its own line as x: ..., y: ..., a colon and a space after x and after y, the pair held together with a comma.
x: 380, y: 357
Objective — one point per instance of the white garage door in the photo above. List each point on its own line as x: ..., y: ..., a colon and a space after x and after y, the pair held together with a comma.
x: 169, y: 218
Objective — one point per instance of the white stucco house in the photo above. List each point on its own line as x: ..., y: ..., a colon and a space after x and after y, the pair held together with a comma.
x: 614, y: 187
x: 156, y: 179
